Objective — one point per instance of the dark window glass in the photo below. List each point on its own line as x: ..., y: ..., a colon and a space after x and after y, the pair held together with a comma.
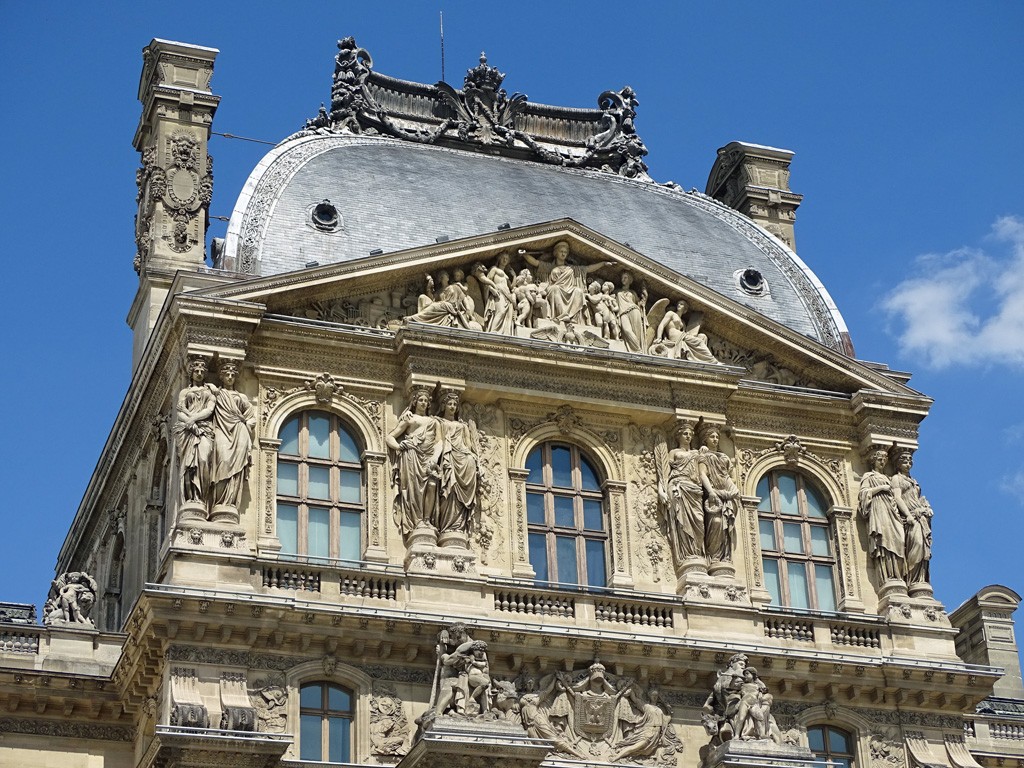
x: 565, y: 516
x: 796, y: 542
x: 325, y: 722
x: 319, y: 488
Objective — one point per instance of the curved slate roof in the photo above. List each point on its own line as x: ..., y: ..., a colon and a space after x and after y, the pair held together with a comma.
x: 394, y: 195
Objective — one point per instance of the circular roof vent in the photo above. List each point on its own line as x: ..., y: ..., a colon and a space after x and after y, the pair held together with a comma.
x: 325, y: 217
x: 752, y: 281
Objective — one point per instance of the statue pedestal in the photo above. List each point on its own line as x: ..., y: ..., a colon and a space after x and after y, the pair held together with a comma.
x: 448, y: 741
x: 192, y: 511
x: 209, y: 534
x: 756, y: 753
x: 712, y: 588
x: 224, y: 513
x: 427, y: 558
x: 918, y: 607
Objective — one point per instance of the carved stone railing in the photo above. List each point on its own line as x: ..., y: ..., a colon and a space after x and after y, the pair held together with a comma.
x: 290, y: 577
x: 789, y: 628
x: 629, y: 612
x: 857, y: 636
x: 19, y: 639
x: 352, y: 579
x: 1005, y: 729
x: 535, y: 603
x: 370, y: 585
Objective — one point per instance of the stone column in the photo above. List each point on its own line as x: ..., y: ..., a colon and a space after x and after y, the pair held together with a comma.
x: 377, y: 488
x: 849, y: 578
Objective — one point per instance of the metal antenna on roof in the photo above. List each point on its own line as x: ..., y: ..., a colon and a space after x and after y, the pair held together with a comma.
x: 441, y: 14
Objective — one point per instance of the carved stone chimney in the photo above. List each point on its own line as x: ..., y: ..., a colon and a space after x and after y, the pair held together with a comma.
x: 176, y: 178
x: 755, y: 181
x: 986, y: 636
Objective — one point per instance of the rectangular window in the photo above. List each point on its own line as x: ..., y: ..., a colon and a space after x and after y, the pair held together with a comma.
x: 799, y: 594
x: 319, y: 534
x: 350, y: 544
x: 288, y: 528
x: 310, y: 737
x: 826, y: 592
x: 539, y: 555
x: 595, y: 564
x: 566, y: 558
x: 771, y: 580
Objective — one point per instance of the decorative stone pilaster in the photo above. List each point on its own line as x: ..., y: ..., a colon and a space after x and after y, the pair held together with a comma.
x: 849, y: 578
x: 751, y: 544
x: 376, y: 507
x: 521, y: 567
x: 622, y: 571
x: 267, y: 540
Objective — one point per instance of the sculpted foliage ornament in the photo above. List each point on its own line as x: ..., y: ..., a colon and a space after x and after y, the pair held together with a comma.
x: 72, y: 597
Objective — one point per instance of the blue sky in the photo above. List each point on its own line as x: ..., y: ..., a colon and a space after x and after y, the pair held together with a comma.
x: 905, y: 119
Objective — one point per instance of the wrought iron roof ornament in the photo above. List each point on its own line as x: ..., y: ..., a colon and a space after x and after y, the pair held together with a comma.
x: 482, y: 114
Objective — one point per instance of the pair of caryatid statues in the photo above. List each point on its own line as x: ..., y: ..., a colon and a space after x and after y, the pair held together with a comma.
x: 563, y: 302
x: 898, y: 519
x: 588, y: 714
x: 435, y: 467
x: 213, y: 428
x: 739, y: 706
x: 699, y: 497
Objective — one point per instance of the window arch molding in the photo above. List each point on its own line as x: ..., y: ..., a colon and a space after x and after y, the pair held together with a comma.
x: 811, y: 467
x: 356, y: 681
x: 363, y: 427
x: 591, y: 444
x: 838, y: 716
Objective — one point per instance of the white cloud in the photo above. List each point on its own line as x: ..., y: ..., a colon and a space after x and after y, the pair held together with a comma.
x: 1013, y: 484
x: 965, y: 306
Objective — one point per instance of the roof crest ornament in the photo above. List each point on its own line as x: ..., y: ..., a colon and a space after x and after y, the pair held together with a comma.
x: 481, y: 115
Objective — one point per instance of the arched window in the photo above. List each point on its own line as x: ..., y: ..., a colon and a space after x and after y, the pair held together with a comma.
x: 325, y: 723
x: 796, y: 542
x: 319, y: 488
x: 115, y: 584
x: 830, y: 744
x: 565, y: 517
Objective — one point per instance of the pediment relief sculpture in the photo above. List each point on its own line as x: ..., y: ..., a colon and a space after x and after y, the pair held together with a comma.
x: 549, y: 295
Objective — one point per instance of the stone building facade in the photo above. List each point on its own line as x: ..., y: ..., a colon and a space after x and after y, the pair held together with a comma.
x: 475, y: 444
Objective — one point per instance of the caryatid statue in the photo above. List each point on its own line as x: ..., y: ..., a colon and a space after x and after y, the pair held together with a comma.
x: 193, y: 439
x: 234, y: 420
x: 885, y: 521
x: 682, y: 496
x: 917, y: 520
x: 721, y: 495
x: 416, y: 445
x: 459, y: 469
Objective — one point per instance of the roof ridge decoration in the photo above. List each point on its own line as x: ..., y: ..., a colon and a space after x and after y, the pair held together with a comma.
x: 481, y: 117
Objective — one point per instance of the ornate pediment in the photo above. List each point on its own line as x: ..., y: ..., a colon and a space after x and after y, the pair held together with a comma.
x: 558, y: 283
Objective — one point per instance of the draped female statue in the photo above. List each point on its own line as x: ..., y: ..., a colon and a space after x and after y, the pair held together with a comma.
x: 458, y: 469
x: 720, y: 495
x: 193, y: 439
x: 886, y: 535
x: 233, y: 422
x: 917, y: 514
x: 416, y: 445
x: 500, y: 309
x: 682, y: 495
